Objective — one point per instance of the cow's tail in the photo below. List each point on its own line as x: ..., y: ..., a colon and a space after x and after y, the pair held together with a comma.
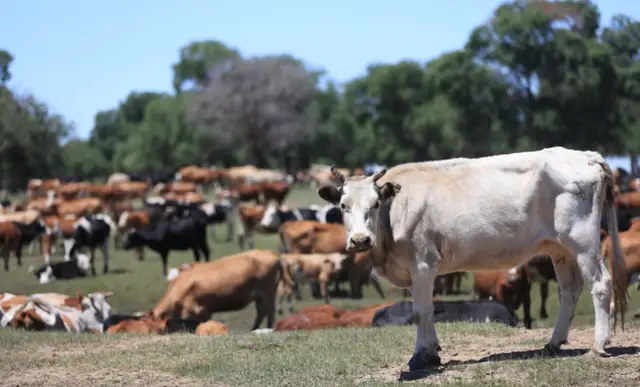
x: 618, y: 268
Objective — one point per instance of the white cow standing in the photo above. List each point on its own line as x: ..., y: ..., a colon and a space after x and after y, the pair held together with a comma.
x: 423, y: 219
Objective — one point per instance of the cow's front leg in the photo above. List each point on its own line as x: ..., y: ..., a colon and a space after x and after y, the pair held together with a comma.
x: 426, y: 351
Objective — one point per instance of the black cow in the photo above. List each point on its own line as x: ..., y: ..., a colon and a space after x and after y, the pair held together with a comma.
x: 184, y: 230
x: 274, y: 217
x: 78, y: 266
x: 401, y: 313
x: 221, y: 212
x: 90, y: 233
x: 28, y: 234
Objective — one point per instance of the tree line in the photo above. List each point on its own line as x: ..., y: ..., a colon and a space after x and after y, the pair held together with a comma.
x: 536, y: 74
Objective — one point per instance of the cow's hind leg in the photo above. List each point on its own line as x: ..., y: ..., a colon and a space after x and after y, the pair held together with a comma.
x: 426, y: 350
x: 599, y: 280
x: 570, y: 283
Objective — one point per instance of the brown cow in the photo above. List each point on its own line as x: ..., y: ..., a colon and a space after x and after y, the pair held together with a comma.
x: 212, y: 328
x: 319, y: 267
x: 196, y: 175
x: 70, y: 191
x: 62, y: 228
x: 362, y: 317
x: 188, y: 197
x: 41, y: 188
x: 630, y: 244
x: 10, y: 237
x: 313, y: 237
x: 176, y: 187
x: 144, y: 324
x: 247, y: 193
x: 250, y: 217
x: 81, y: 207
x: 310, y: 318
x: 227, y: 284
x: 275, y: 191
x: 511, y: 287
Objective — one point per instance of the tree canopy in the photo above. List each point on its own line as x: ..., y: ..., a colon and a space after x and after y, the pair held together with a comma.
x: 536, y: 74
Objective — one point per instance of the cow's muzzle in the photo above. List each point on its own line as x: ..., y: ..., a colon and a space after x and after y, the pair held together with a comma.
x: 359, y: 242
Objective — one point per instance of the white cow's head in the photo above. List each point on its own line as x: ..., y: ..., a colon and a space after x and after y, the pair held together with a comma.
x: 359, y: 199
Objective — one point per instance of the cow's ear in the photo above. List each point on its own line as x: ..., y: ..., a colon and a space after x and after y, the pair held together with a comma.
x: 329, y: 193
x: 388, y: 191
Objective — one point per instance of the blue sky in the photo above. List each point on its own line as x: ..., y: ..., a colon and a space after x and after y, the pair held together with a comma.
x: 84, y: 56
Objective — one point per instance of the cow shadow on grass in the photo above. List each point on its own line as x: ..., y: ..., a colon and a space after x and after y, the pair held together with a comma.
x: 510, y: 356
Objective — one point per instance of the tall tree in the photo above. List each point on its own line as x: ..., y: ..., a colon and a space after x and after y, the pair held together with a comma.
x: 257, y: 102
x: 196, y: 61
x: 5, y: 62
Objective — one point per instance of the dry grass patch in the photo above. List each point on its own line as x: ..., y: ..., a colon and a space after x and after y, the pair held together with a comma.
x: 473, y: 354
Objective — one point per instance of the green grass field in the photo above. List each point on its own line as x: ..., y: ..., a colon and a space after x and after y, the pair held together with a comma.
x: 331, y: 358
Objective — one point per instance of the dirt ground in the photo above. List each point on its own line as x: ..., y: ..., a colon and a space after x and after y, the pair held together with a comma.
x: 461, y: 362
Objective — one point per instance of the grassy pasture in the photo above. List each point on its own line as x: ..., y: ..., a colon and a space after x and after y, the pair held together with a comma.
x: 480, y: 354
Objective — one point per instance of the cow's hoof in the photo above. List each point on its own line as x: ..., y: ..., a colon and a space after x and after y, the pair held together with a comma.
x: 421, y: 360
x: 544, y: 315
x: 594, y: 354
x: 551, y: 350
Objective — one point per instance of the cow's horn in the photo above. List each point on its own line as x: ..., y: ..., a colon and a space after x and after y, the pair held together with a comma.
x: 337, y: 174
x: 379, y: 174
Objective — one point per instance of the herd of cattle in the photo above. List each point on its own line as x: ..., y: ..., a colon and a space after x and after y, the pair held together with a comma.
x: 343, y: 241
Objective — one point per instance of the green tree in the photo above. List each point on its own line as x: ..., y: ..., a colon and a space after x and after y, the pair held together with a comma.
x: 198, y: 59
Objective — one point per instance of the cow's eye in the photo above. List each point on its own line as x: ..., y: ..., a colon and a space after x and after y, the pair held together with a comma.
x: 376, y: 205
x: 343, y: 207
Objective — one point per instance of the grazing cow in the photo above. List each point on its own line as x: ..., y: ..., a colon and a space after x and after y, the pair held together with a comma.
x: 91, y: 232
x: 221, y: 212
x: 227, y: 284
x: 318, y: 267
x: 512, y: 288
x: 79, y: 266
x: 84, y: 314
x: 401, y: 313
x: 549, y: 202
x: 181, y: 233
